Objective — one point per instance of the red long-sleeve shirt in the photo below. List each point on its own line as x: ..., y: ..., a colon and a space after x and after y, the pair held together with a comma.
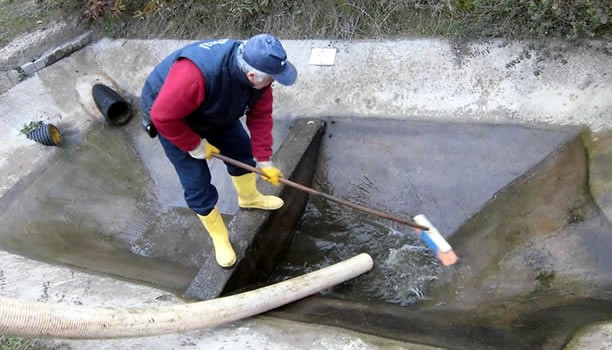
x: 184, y: 91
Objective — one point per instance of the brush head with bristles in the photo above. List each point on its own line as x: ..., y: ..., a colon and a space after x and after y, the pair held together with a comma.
x: 436, y: 242
x: 447, y: 258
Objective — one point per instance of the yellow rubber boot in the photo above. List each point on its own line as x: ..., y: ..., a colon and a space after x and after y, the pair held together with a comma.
x: 250, y: 197
x: 213, y: 222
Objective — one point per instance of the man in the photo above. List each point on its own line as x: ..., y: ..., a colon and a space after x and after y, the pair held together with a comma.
x: 194, y: 99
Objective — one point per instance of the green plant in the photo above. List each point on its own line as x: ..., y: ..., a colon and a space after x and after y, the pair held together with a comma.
x: 534, y: 19
x: 19, y: 343
x: 95, y: 9
x: 33, y: 125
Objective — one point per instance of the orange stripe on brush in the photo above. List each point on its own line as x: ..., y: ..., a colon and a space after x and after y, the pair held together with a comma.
x: 447, y: 258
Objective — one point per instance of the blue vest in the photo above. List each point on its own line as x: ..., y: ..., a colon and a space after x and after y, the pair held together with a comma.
x: 229, y: 94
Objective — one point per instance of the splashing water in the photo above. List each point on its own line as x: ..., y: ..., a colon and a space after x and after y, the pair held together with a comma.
x: 328, y: 233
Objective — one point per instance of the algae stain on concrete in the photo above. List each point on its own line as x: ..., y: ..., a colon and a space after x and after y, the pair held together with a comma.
x: 537, y: 243
x: 599, y: 146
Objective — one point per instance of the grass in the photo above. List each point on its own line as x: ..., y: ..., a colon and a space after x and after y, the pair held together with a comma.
x: 321, y: 19
x: 358, y: 19
x: 21, y: 16
x: 19, y: 343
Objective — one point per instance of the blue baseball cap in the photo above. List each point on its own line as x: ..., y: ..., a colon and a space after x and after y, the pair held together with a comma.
x: 265, y: 53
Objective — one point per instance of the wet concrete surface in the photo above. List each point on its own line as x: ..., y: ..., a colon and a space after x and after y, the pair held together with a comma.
x: 87, y: 208
x: 544, y: 328
x: 146, y: 233
x: 444, y: 170
x: 510, y: 199
x: 533, y: 266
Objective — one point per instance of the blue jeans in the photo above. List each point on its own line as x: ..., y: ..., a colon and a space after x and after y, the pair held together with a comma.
x: 201, y: 196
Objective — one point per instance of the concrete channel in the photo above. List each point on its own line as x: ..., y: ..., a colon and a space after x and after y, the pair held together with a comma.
x: 505, y: 146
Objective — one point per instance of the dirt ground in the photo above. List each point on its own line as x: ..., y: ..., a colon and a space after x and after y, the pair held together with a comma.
x: 18, y: 17
x: 28, y: 30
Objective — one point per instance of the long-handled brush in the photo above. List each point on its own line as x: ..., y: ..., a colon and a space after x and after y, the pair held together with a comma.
x: 427, y: 232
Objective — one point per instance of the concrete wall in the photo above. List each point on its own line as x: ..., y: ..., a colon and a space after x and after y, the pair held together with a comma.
x: 495, y: 81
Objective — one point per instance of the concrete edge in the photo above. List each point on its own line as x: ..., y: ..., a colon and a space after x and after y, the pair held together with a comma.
x: 28, y: 69
x: 259, y: 236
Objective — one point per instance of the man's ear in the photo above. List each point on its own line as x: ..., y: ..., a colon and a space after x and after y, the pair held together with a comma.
x: 252, y: 77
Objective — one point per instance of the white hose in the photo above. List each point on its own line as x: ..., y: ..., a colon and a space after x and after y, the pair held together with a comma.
x: 72, y: 321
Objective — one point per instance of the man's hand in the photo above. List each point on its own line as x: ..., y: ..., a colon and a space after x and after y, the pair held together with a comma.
x: 204, y: 150
x: 272, y: 173
x: 209, y: 150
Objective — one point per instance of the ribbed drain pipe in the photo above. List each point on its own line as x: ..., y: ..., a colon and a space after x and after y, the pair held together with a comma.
x: 72, y: 321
